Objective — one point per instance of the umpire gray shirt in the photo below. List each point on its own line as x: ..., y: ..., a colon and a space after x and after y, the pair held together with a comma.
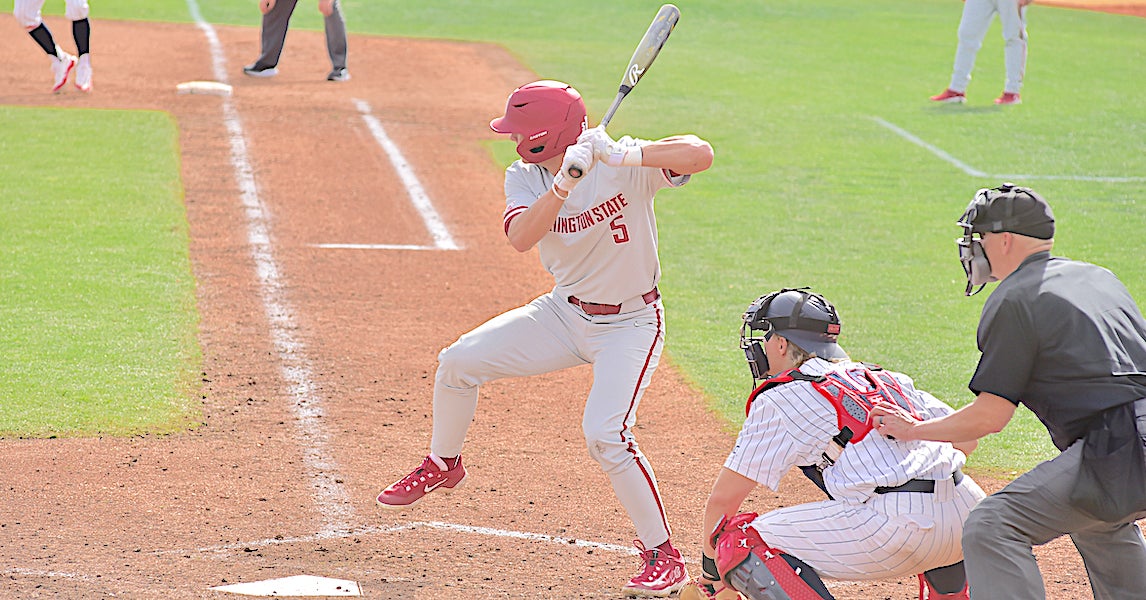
x: 1066, y: 339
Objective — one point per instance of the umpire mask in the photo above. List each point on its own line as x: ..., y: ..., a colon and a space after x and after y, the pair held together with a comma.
x: 994, y: 210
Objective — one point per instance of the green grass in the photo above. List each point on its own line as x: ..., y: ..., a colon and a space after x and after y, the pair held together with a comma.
x: 807, y: 188
x: 98, y: 322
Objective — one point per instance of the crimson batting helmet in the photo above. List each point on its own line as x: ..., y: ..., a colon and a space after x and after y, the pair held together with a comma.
x: 550, y: 115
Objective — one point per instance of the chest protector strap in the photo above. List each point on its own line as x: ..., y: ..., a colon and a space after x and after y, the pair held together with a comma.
x: 778, y: 379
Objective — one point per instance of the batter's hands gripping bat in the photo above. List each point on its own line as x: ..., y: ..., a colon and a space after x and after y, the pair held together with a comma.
x: 639, y: 64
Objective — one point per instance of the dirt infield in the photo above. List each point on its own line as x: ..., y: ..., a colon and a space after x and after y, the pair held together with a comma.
x: 241, y: 498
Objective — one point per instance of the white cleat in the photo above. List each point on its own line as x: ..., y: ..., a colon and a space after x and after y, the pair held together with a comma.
x: 62, y: 65
x: 84, y: 73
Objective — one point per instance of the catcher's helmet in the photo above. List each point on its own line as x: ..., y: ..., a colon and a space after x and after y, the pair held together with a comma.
x: 804, y: 318
x: 550, y: 115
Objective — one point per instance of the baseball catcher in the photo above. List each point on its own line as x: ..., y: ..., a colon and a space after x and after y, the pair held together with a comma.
x: 894, y: 508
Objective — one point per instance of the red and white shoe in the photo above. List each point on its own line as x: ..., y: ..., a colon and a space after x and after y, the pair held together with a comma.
x: 84, y: 73
x: 661, y: 575
x: 62, y: 65
x: 1008, y: 98
x: 950, y: 96
x: 410, y: 490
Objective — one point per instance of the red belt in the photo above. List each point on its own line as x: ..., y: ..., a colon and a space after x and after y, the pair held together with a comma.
x: 592, y: 308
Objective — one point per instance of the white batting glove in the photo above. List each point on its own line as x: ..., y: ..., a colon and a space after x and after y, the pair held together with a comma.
x: 608, y: 151
x: 579, y: 158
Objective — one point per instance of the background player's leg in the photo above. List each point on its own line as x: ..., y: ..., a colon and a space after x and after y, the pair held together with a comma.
x: 1014, y: 22
x: 77, y: 12
x: 972, y: 29
x: 27, y: 13
x: 335, y: 26
x: 273, y: 36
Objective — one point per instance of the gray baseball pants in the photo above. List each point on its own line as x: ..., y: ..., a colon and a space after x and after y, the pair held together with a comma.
x: 275, y: 25
x: 973, y: 26
x: 1033, y: 510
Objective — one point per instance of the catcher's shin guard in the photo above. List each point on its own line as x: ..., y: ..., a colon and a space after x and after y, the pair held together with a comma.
x: 758, y: 571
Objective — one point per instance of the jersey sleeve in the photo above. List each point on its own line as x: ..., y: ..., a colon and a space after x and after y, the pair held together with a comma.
x: 653, y: 178
x: 927, y: 405
x: 1009, y: 345
x: 524, y: 184
x: 784, y: 428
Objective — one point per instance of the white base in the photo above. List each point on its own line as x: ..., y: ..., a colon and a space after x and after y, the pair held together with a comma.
x: 211, y: 88
x: 298, y: 585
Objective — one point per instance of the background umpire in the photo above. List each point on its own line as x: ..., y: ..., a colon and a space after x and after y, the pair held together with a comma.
x: 1066, y: 339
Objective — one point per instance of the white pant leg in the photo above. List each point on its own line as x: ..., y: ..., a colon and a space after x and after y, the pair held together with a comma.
x: 76, y: 10
x: 891, y: 535
x: 973, y: 27
x: 1014, y: 21
x: 529, y: 340
x: 27, y: 13
x: 625, y: 353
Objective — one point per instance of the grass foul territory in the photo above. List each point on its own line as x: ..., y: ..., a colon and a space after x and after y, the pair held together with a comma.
x: 98, y: 321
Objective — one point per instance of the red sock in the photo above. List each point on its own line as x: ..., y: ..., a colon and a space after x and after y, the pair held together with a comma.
x: 668, y: 549
x: 452, y: 463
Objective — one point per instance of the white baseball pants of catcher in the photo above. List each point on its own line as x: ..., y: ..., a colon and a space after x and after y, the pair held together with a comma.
x: 891, y: 535
x: 977, y: 15
x: 550, y: 334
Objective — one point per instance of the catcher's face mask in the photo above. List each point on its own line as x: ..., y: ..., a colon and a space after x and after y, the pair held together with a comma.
x: 974, y: 260
x: 752, y: 342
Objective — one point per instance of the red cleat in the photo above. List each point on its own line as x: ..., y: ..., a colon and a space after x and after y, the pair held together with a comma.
x: 410, y: 490
x: 1008, y: 98
x: 951, y: 96
x: 661, y: 575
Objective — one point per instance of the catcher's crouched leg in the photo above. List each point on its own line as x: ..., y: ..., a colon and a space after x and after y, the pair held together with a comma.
x: 758, y: 571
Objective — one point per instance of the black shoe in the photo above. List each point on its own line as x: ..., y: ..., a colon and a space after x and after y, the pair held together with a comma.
x: 256, y: 71
x: 339, y: 75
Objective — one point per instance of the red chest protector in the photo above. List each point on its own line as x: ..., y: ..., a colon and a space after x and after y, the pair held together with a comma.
x: 852, y: 392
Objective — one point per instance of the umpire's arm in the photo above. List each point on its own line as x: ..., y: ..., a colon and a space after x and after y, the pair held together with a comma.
x: 986, y: 415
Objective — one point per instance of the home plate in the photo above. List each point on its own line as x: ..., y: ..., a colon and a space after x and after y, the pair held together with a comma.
x: 298, y: 585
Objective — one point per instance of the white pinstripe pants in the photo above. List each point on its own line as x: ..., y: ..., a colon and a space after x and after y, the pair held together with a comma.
x: 891, y: 535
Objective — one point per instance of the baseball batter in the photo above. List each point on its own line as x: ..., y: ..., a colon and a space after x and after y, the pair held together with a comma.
x: 895, y: 508
x: 597, y: 235
x: 977, y: 15
x: 27, y: 14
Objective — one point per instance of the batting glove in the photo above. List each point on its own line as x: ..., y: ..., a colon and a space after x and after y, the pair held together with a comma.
x: 608, y: 151
x: 578, y: 157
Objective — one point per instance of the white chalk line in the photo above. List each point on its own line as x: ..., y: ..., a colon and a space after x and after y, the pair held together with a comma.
x: 414, y: 188
x: 375, y: 247
x: 381, y: 530
x: 313, y: 439
x: 968, y: 169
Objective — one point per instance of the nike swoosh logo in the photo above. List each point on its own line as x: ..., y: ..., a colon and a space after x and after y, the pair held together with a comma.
x: 430, y: 488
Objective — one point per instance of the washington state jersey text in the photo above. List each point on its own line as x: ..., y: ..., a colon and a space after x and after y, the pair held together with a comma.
x: 591, y: 217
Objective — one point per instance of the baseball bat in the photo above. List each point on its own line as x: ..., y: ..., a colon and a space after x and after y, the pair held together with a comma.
x: 643, y: 57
